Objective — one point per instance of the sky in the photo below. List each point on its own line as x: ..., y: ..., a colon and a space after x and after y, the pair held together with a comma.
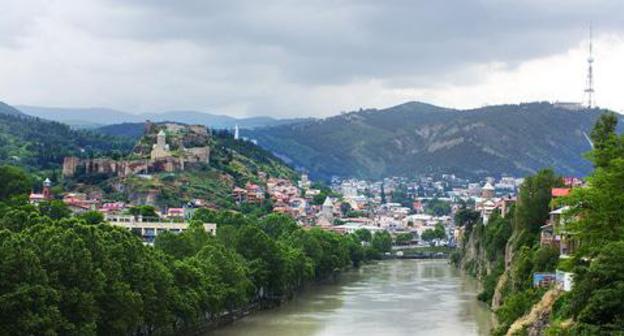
x: 306, y: 58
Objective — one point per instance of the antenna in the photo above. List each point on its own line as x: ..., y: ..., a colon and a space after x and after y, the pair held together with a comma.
x: 589, y: 89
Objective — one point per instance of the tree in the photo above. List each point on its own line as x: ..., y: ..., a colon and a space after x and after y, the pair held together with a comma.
x: 383, y: 194
x: 276, y: 225
x: 54, y: 209
x: 13, y: 181
x: 345, y: 208
x: 404, y: 238
x: 466, y: 217
x: 265, y: 262
x: 146, y: 211
x: 29, y: 304
x: 598, y: 293
x: 533, y: 203
x: 363, y: 235
x: 607, y: 145
x: 438, y: 207
x: 92, y: 217
x: 382, y: 241
x: 428, y: 235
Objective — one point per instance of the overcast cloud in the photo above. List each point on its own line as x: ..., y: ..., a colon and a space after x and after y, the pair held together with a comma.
x: 304, y: 58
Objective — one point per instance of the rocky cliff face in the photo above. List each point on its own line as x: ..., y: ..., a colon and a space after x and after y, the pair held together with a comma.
x: 504, y: 278
x: 535, y: 322
x: 474, y: 259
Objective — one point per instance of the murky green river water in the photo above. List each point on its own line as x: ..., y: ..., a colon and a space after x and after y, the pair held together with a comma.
x: 398, y: 297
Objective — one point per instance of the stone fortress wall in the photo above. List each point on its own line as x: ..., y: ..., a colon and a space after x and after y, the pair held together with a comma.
x: 161, y: 158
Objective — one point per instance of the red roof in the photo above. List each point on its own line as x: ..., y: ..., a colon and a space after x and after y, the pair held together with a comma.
x: 175, y: 210
x: 560, y: 192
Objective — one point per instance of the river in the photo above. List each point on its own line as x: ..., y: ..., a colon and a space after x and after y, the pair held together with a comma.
x: 396, y: 297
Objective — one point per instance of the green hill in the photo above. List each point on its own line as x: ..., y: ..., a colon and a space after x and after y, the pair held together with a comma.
x: 9, y: 110
x: 416, y: 138
x: 232, y: 163
x: 42, y: 144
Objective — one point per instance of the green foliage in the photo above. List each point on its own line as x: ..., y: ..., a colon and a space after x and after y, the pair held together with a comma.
x: 364, y: 235
x: 515, y: 306
x: 374, y: 144
x: 399, y: 195
x: 54, y: 209
x: 598, y: 293
x: 438, y: 207
x: 533, y: 203
x: 92, y: 217
x: 146, y: 211
x: 467, y: 218
x: 325, y: 192
x: 490, y: 281
x: 79, y: 276
x: 42, y: 144
x: 496, y: 234
x: 13, y: 181
x: 596, y: 220
x: 382, y: 241
x: 437, y: 233
x: 404, y: 238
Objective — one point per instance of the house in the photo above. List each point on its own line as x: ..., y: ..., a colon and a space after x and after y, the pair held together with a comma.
x: 505, y: 203
x: 79, y: 203
x: 114, y: 208
x: 239, y: 195
x: 175, y: 213
x: 255, y: 193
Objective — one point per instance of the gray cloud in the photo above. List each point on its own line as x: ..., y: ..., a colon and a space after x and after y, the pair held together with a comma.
x: 243, y: 57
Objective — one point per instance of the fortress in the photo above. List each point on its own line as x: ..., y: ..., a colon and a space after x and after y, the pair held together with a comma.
x: 164, y: 147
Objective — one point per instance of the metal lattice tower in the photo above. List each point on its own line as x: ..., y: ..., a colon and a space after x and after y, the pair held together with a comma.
x: 589, y: 89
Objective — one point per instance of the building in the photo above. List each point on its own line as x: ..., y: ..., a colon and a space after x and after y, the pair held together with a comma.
x: 160, y: 149
x: 79, y: 203
x: 45, y: 195
x: 148, y: 230
x: 157, y: 158
x: 327, y: 209
x: 114, y: 208
x: 488, y: 191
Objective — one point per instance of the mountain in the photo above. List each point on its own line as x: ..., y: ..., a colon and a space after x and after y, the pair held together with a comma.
x: 80, y: 117
x: 42, y: 144
x: 415, y: 138
x: 9, y: 110
x: 98, y: 117
x: 128, y: 130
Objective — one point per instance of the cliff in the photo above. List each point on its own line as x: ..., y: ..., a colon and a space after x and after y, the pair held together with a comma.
x: 504, y: 255
x: 537, y: 320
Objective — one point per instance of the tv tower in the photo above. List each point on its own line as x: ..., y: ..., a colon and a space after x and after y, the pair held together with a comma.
x: 589, y: 89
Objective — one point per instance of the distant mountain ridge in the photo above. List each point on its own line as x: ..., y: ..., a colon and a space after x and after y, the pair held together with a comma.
x: 42, y: 144
x: 98, y: 117
x: 416, y: 138
x: 9, y: 110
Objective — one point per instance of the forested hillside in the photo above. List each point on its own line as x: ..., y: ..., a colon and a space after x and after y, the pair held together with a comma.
x: 43, y: 144
x: 415, y: 138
